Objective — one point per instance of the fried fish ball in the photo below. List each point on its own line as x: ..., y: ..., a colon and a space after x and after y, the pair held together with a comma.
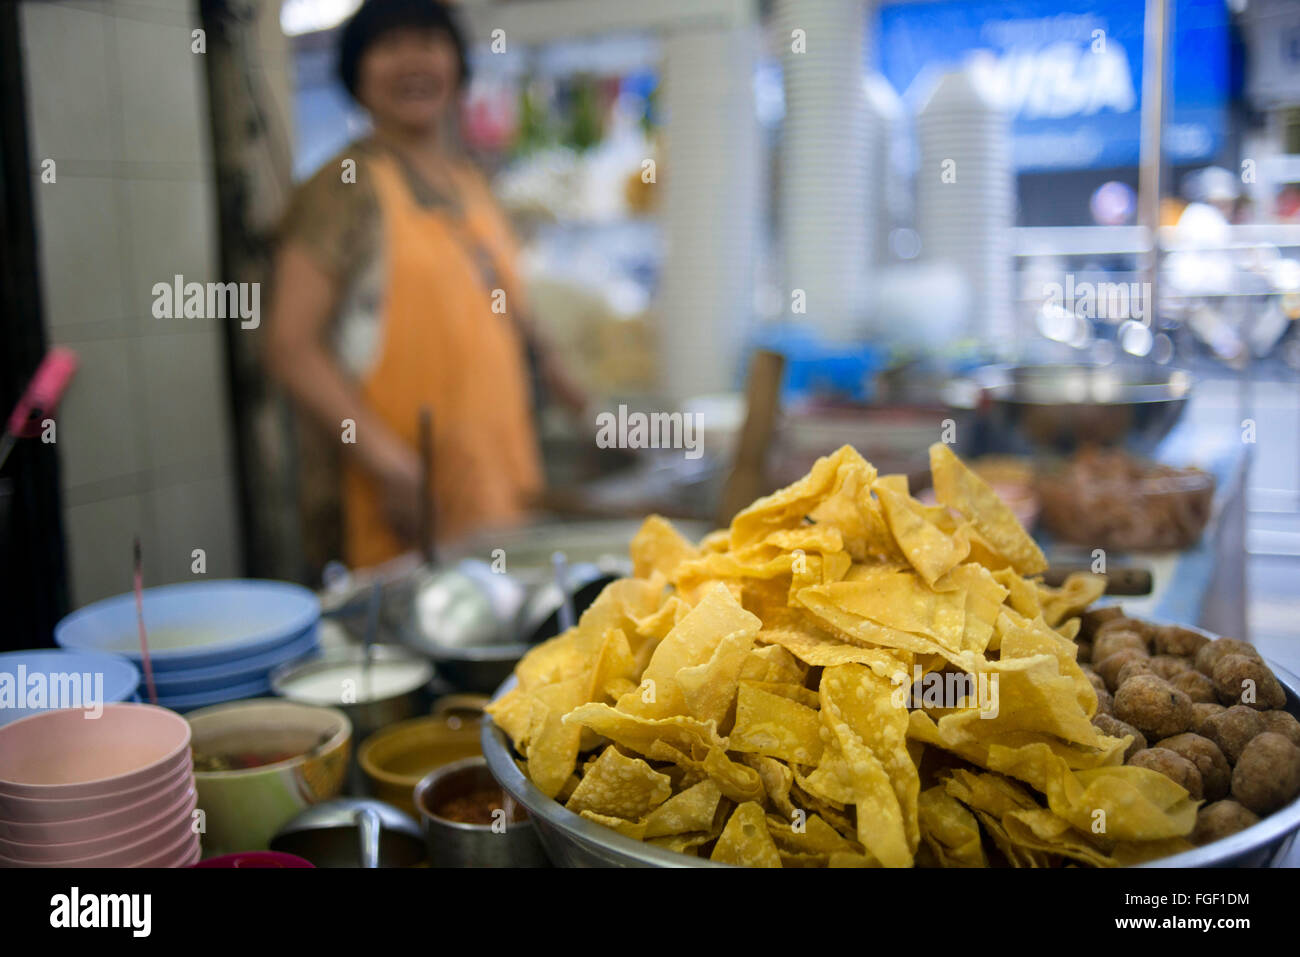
x: 1084, y: 653
x: 1203, y: 711
x: 1209, y: 654
x: 1131, y: 669
x: 1216, y: 775
x: 1196, y: 686
x: 1283, y: 723
x: 1173, y: 766
x: 1176, y: 641
x: 1232, y: 729
x: 1137, y: 625
x: 1115, y: 728
x: 1105, y: 702
x: 1221, y: 819
x: 1169, y: 667
x: 1239, y: 679
x: 1105, y: 645
x: 1153, y: 706
x: 1094, y: 618
x: 1267, y: 775
x: 1109, y: 667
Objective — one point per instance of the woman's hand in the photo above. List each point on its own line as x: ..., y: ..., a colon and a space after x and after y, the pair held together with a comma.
x: 396, y: 467
x: 298, y: 359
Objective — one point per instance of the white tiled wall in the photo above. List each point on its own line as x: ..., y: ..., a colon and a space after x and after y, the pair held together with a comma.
x: 118, y: 100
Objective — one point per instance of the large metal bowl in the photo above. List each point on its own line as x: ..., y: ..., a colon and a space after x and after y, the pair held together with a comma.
x: 1060, y: 408
x: 571, y: 840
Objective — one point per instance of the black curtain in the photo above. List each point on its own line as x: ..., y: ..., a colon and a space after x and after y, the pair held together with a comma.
x: 33, y: 579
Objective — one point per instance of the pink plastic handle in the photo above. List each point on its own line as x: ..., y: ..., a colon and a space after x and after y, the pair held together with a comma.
x: 43, y: 392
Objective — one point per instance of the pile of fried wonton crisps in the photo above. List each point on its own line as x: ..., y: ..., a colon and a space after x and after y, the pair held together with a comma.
x: 754, y: 699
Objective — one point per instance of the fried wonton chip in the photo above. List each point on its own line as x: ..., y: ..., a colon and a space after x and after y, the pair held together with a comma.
x: 930, y: 550
x: 788, y: 507
x: 690, y: 810
x: 852, y: 510
x: 772, y: 662
x: 709, y: 689
x: 1127, y: 803
x: 809, y: 834
x: 901, y: 601
x: 775, y: 725
x: 795, y: 692
x: 777, y: 780
x: 513, y: 713
x: 816, y: 648
x: 658, y: 547
x: 615, y: 785
x: 745, y: 841
x: 984, y: 597
x: 638, y: 733
x: 950, y: 830
x: 553, y: 744
x: 633, y: 829
x: 855, y: 629
x: 1080, y: 590
x: 957, y: 487
x: 736, y: 781
x: 693, y: 641
x: 1023, y: 595
x: 866, y: 763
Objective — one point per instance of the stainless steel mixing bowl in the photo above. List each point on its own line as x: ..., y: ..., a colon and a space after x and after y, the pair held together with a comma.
x: 1060, y: 408
x: 573, y: 841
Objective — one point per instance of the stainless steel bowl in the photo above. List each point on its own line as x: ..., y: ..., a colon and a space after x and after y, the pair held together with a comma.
x: 1267, y: 842
x: 570, y: 840
x: 573, y: 841
x: 458, y: 844
x: 352, y: 832
x: 480, y: 665
x: 367, y: 715
x: 1060, y: 408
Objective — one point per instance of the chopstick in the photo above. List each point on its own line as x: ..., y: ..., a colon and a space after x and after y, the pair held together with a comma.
x: 139, y: 617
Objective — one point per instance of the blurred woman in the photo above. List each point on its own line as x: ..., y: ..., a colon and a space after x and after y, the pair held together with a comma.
x: 395, y: 290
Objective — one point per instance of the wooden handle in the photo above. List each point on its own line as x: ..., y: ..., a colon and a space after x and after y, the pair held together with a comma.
x: 748, y: 478
x: 428, y: 529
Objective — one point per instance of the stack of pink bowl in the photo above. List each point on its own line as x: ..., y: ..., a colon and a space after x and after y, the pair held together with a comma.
x: 110, y: 791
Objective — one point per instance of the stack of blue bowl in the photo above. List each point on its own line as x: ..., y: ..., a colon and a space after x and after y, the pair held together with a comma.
x: 44, y: 679
x: 209, y: 641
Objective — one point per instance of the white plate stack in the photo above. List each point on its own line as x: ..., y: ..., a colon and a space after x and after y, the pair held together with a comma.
x: 826, y: 169
x: 710, y: 172
x: 887, y: 201
x: 965, y: 193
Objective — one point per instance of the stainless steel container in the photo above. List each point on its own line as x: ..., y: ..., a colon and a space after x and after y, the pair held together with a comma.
x: 457, y: 844
x: 352, y: 832
x: 368, y: 711
x: 1060, y: 408
x: 573, y: 841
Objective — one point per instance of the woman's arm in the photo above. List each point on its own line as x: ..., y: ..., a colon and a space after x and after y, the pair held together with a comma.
x: 304, y: 299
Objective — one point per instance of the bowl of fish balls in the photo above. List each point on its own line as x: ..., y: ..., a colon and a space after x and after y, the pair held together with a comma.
x: 1212, y: 715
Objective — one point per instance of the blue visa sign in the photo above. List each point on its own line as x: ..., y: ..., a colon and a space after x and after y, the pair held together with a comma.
x: 1068, y: 71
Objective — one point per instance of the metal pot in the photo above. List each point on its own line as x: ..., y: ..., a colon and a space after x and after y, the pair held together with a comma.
x: 352, y: 832
x: 458, y: 844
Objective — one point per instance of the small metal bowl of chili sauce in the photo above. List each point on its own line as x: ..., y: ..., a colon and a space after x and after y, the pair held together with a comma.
x: 469, y: 821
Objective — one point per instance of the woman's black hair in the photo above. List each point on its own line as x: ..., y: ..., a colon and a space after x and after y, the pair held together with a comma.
x: 374, y: 18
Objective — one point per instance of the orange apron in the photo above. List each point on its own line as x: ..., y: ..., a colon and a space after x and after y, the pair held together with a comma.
x: 443, y: 346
